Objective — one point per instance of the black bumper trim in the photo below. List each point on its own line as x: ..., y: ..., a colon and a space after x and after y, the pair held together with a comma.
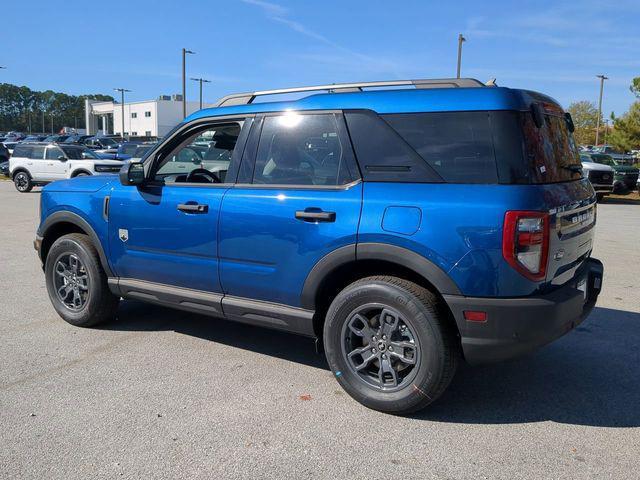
x: 516, y: 326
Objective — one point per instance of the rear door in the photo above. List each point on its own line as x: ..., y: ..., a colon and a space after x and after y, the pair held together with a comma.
x: 36, y: 164
x: 298, y: 198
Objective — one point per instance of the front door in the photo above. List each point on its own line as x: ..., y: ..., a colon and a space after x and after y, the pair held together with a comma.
x: 166, y: 231
x: 299, y: 201
x: 55, y: 163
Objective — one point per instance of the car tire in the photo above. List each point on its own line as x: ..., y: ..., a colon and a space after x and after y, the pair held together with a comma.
x: 81, y: 174
x: 382, y: 314
x: 23, y: 182
x: 77, y: 283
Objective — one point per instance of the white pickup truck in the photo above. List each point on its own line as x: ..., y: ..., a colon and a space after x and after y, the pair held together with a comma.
x: 38, y: 164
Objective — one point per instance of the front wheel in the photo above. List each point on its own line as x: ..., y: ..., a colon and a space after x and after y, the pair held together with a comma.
x: 22, y: 181
x: 389, y: 345
x: 76, y: 282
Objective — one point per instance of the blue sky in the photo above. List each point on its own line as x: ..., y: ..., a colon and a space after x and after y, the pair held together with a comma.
x: 556, y: 47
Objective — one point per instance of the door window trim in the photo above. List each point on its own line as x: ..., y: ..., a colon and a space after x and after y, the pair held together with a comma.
x: 151, y: 158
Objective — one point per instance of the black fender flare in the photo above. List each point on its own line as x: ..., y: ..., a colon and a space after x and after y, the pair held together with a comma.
x: 21, y: 169
x: 79, y: 171
x: 375, y: 251
x: 75, y: 219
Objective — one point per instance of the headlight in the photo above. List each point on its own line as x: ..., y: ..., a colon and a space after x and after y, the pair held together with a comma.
x: 107, y: 168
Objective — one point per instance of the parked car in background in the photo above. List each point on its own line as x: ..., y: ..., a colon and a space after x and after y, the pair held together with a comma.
x: 76, y: 139
x: 600, y: 176
x: 4, y: 153
x: 40, y: 163
x: 34, y: 138
x: 621, y: 158
x: 4, y: 168
x: 56, y: 138
x: 101, y: 143
x: 626, y: 176
x: 403, y: 229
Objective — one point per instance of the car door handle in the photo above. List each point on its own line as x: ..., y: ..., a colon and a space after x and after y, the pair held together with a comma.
x: 193, y: 208
x: 309, y: 215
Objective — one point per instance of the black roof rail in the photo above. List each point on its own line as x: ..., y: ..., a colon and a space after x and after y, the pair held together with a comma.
x: 249, y: 97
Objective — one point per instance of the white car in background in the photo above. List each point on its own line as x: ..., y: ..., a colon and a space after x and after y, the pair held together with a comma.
x: 39, y: 163
x: 600, y: 176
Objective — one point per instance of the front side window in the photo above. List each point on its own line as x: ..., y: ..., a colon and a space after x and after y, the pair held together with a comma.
x: 202, y: 157
x: 301, y: 150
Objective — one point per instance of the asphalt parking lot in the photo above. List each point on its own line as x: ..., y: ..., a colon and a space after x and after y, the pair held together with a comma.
x: 166, y: 394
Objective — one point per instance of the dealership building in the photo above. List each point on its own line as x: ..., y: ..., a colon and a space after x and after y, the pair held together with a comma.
x: 153, y: 118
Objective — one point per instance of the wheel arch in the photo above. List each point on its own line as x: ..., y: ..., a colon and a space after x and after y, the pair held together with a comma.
x: 345, y: 265
x: 79, y: 171
x: 62, y: 223
x: 18, y: 170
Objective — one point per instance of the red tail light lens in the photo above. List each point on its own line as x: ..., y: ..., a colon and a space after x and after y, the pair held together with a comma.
x: 525, y: 242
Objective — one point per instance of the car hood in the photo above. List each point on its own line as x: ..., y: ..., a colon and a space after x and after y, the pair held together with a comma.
x: 596, y: 166
x: 89, y: 184
x: 625, y: 169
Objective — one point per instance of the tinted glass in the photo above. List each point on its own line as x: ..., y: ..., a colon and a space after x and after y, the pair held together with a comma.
x: 78, y: 153
x: 53, y: 153
x: 300, y: 150
x: 22, y: 151
x: 549, y: 150
x: 457, y: 145
x: 37, y: 152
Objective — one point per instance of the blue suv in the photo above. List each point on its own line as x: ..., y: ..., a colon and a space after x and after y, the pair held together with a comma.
x: 404, y: 225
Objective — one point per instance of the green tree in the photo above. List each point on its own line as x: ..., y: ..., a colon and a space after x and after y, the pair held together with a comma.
x: 635, y: 87
x: 585, y: 119
x: 22, y: 109
x: 626, y: 129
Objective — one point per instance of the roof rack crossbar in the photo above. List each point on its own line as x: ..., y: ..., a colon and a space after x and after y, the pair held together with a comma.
x: 249, y: 97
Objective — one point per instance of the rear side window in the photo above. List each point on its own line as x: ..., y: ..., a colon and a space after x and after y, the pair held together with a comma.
x: 22, y: 151
x: 301, y: 150
x: 37, y: 152
x: 457, y: 145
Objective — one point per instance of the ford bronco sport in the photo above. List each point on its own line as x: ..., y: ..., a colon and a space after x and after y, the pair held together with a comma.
x: 404, y: 228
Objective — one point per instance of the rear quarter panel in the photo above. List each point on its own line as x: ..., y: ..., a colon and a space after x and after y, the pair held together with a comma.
x: 460, y: 227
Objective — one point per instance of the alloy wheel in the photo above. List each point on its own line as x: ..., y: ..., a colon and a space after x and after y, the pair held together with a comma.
x: 380, y: 347
x: 71, y: 281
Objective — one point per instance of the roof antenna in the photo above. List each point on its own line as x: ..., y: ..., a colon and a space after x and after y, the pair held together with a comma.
x: 491, y: 82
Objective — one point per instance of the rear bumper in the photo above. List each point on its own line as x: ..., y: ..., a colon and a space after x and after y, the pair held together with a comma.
x: 516, y: 326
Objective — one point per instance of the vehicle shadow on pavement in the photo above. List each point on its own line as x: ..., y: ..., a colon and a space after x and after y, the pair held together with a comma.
x: 138, y: 316
x: 589, y: 377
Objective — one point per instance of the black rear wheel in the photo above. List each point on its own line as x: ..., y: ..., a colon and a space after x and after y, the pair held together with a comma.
x: 389, y: 344
x: 22, y: 181
x: 76, y: 282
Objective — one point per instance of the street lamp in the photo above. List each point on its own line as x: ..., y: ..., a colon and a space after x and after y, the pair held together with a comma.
x: 602, y: 79
x: 461, y: 40
x: 201, y: 81
x: 184, y: 80
x: 122, y: 90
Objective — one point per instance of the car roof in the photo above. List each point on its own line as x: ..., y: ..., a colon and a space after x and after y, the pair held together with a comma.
x: 395, y: 101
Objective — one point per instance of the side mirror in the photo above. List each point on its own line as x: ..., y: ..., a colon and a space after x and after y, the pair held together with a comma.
x: 132, y: 173
x: 62, y: 158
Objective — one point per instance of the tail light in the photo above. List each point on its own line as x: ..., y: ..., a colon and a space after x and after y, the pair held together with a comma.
x: 525, y: 242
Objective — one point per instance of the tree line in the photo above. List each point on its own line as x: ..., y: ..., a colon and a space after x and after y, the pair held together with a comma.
x: 23, y: 109
x: 623, y: 132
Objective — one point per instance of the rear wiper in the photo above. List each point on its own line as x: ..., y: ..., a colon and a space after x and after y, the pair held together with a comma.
x: 576, y: 167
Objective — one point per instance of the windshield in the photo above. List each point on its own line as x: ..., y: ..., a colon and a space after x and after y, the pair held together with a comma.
x: 109, y: 142
x: 78, y: 153
x: 604, y: 159
x: 128, y: 148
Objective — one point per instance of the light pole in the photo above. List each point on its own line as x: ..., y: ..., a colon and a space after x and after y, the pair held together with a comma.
x: 602, y: 79
x: 52, y: 124
x: 201, y: 81
x: 184, y: 80
x: 461, y: 40
x: 122, y: 90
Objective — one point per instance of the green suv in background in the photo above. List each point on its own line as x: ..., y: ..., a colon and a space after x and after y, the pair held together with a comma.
x: 625, y: 176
